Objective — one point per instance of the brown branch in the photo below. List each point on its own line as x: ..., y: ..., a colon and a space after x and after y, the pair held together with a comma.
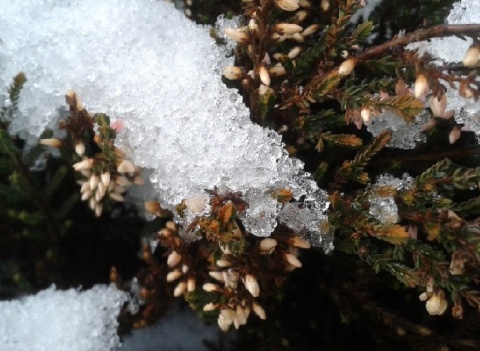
x: 439, y: 31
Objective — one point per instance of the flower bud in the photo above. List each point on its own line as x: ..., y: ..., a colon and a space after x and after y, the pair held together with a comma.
x: 472, y: 57
x: 293, y: 260
x: 53, y: 142
x: 438, y: 105
x: 191, y: 284
x: 98, y: 210
x: 210, y: 307
x: 365, y: 113
x: 268, y: 245
x: 347, y: 67
x: 94, y: 180
x: 325, y: 5
x: 287, y: 5
x: 436, y: 304
x: 421, y: 86
x: 299, y: 242
x: 251, y: 284
x: 80, y: 148
x: 83, y: 165
x: 264, y: 76
x: 174, y: 275
x: 105, y: 178
x: 287, y: 28
x: 125, y: 167
x: 294, y: 52
x: 216, y: 275
x: 223, y: 263
x: 277, y: 71
x: 116, y: 197
x: 259, y: 311
x: 310, y: 30
x: 179, y: 289
x: 454, y: 135
x: 232, y: 72
x: 210, y: 287
x: 173, y: 259
x: 237, y: 34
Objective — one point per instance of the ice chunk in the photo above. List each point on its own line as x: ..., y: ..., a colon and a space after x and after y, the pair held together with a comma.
x: 404, y: 135
x: 62, y: 320
x: 453, y: 49
x: 144, y: 63
x: 383, y: 208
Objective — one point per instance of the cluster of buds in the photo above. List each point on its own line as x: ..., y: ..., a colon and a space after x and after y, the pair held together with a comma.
x: 178, y: 261
x: 436, y: 304
x: 239, y: 287
x: 99, y: 182
x: 251, y: 34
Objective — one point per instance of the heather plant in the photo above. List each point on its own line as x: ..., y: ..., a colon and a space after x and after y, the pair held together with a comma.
x: 386, y: 241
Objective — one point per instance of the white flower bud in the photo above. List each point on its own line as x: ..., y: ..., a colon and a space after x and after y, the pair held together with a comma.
x: 365, y: 113
x: 347, y: 67
x: 179, y: 289
x: 438, y: 105
x: 216, y: 275
x: 251, y: 284
x: 116, y: 197
x: 454, y: 135
x: 436, y: 304
x: 174, y: 275
x: 210, y: 287
x: 191, y: 284
x: 85, y: 187
x: 101, y: 189
x: 325, y: 5
x: 294, y: 52
x: 253, y: 25
x: 299, y: 242
x: 83, y: 165
x: 53, y: 142
x: 237, y: 34
x: 310, y: 29
x: 305, y: 3
x: 223, y: 263
x: 293, y: 260
x: 232, y: 72
x: 173, y: 259
x: 105, y: 177
x: 268, y: 245
x: 287, y: 5
x: 98, y: 210
x: 287, y: 28
x: 472, y: 57
x: 80, y: 148
x: 210, y: 307
x: 86, y: 194
x: 122, y: 181
x: 125, y: 167
x: 259, y: 311
x: 421, y: 86
x: 94, y: 180
x: 241, y: 316
x: 277, y: 71
x: 264, y: 76
x: 92, y: 203
x: 423, y: 296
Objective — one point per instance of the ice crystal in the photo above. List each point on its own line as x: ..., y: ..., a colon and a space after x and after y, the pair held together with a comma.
x: 404, y: 135
x: 453, y: 49
x: 383, y: 208
x: 144, y: 63
x: 62, y: 320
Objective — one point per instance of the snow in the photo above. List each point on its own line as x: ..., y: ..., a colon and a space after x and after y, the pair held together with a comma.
x: 453, y: 49
x: 143, y: 62
x: 55, y: 320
